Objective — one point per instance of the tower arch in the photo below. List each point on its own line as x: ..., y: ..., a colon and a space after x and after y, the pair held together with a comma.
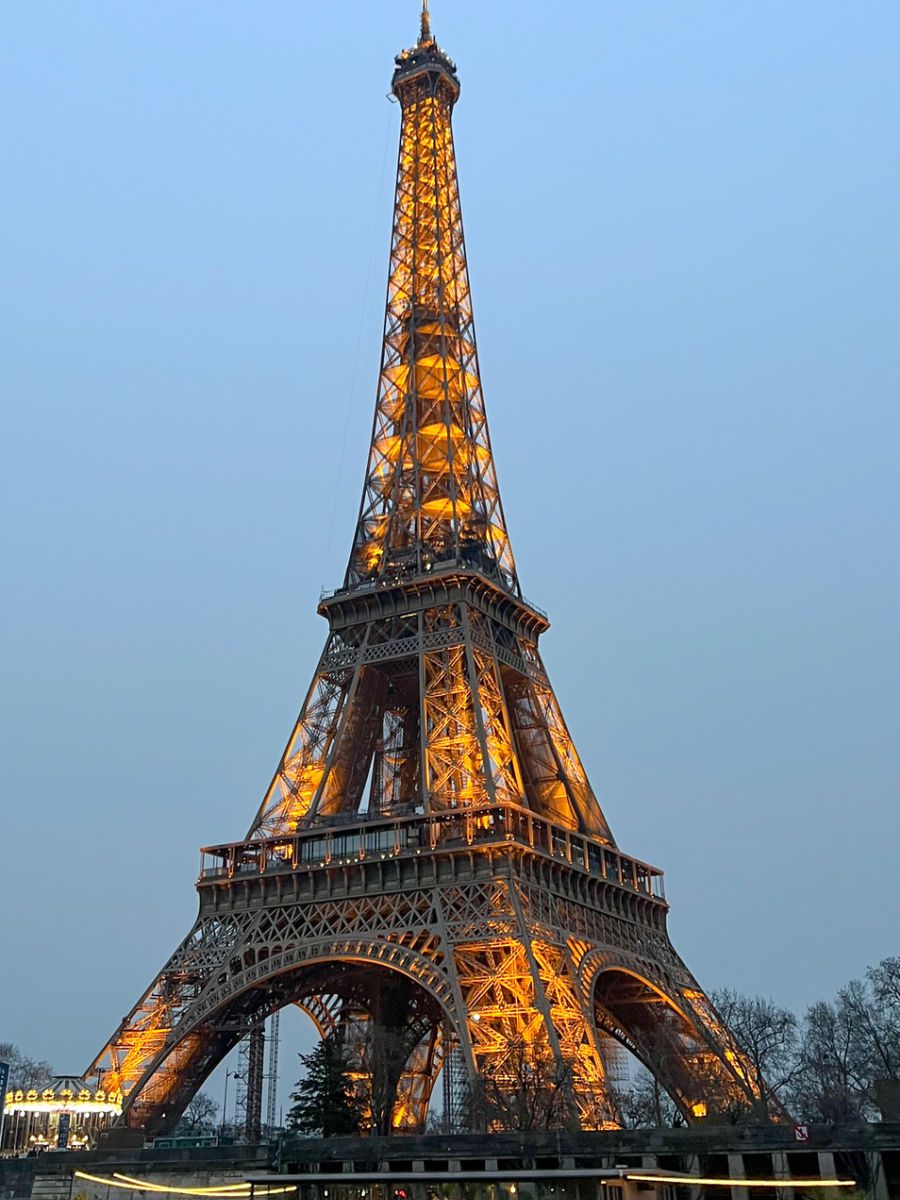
x: 389, y: 1008
x: 674, y: 1034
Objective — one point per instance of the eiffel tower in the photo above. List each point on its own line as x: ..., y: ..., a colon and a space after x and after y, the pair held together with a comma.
x: 429, y: 875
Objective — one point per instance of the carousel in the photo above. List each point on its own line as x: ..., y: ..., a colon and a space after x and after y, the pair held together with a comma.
x: 67, y: 1115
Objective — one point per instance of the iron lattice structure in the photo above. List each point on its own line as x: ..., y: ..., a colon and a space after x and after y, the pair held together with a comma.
x: 249, y: 1080
x: 430, y: 875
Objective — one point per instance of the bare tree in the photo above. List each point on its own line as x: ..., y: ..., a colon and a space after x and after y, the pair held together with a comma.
x: 850, y: 1053
x: 828, y: 1085
x: 868, y: 1012
x: 384, y: 1052
x: 200, y: 1114
x: 769, y: 1038
x: 529, y: 1089
x: 24, y: 1072
x: 647, y: 1105
x: 877, y: 1005
x: 885, y: 983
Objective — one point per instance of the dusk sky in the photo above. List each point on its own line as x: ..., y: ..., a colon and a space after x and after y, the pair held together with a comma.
x: 683, y: 226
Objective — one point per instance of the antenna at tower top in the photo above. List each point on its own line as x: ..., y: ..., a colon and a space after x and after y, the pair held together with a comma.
x: 425, y: 31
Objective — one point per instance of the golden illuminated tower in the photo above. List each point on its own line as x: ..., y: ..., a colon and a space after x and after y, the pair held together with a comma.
x: 430, y: 874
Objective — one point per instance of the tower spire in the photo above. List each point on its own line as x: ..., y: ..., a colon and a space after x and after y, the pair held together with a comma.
x: 431, y: 499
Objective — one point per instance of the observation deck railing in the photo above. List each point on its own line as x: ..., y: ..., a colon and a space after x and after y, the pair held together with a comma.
x: 440, y: 567
x: 355, y: 838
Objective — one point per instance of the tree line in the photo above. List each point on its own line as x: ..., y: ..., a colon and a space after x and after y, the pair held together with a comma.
x: 839, y: 1062
x: 29, y: 1074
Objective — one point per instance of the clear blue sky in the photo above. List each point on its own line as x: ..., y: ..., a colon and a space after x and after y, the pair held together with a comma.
x: 683, y: 233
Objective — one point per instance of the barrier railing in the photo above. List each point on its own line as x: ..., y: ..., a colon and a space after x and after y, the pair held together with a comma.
x: 392, y: 835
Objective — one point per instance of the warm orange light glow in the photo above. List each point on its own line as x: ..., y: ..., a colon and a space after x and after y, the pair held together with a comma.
x: 431, y: 485
x: 226, y: 1192
x: 159, y: 1187
x: 706, y: 1181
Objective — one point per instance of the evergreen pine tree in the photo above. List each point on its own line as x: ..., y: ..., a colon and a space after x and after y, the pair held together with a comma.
x: 324, y: 1099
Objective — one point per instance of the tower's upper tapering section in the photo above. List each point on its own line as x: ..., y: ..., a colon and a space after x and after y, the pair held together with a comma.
x: 431, y: 495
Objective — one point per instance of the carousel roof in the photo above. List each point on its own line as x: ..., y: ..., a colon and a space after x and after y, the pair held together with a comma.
x: 69, y: 1083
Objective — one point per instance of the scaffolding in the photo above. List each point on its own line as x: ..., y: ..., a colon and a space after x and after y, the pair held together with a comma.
x: 272, y: 1074
x: 249, y: 1077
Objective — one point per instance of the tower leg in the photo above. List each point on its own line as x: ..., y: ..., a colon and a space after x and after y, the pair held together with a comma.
x: 535, y: 1061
